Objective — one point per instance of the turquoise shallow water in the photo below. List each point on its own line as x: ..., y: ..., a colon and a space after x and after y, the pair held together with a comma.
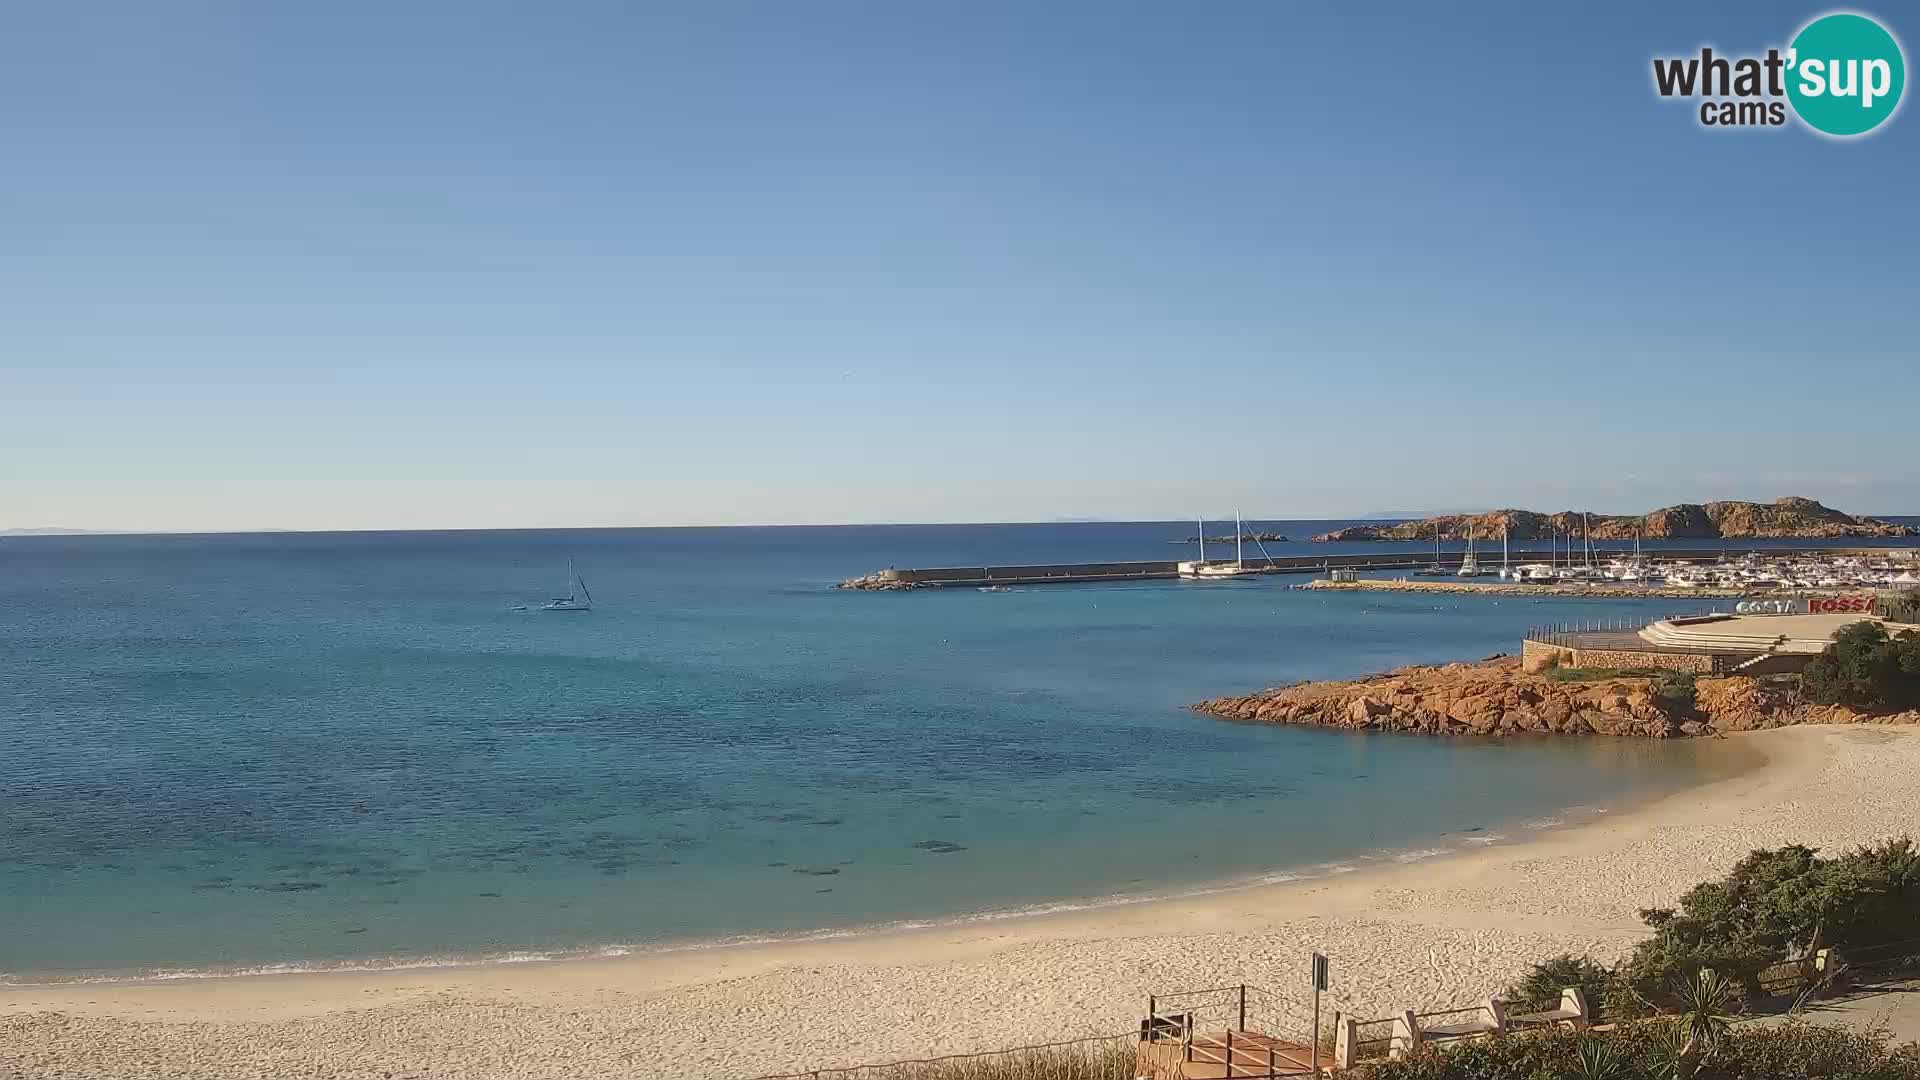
x: 237, y: 752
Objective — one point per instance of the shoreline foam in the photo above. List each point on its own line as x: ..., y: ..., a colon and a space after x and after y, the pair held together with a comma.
x: 1276, y: 876
x: 1417, y: 851
x: 1435, y: 931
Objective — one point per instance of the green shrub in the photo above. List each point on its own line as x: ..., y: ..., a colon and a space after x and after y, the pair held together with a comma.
x: 1653, y: 1050
x: 1865, y: 669
x: 1587, y: 674
x: 1903, y: 606
x: 1677, y: 692
x: 1776, y: 905
x: 1541, y: 985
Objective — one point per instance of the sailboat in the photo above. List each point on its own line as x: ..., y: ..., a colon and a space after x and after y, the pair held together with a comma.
x: 1469, y: 562
x: 583, y: 601
x: 1433, y: 570
x: 1202, y: 570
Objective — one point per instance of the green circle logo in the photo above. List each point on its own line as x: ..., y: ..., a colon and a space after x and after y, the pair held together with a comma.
x: 1845, y: 74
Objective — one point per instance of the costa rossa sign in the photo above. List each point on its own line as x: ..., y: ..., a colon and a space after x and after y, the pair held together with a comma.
x: 1840, y: 605
x: 1856, y: 604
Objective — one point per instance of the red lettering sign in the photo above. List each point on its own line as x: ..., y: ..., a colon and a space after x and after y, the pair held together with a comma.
x: 1840, y: 605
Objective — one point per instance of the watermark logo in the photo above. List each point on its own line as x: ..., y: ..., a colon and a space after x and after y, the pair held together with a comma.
x: 1842, y: 75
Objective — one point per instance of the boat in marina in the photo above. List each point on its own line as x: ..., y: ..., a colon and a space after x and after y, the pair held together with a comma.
x: 577, y: 598
x: 1202, y: 570
x: 1469, y: 562
x: 1435, y: 570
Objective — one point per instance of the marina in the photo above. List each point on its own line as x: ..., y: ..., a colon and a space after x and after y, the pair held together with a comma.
x: 1699, y: 570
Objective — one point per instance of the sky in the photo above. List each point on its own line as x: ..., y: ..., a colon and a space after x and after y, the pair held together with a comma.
x: 464, y: 265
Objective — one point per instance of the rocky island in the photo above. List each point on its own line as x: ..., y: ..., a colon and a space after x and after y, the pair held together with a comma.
x: 1788, y: 518
x: 1250, y: 537
x: 1498, y: 697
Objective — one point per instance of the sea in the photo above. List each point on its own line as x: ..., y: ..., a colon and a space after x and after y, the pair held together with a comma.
x: 223, y: 754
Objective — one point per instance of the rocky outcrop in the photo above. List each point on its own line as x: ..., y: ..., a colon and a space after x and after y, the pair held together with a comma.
x: 1794, y: 517
x: 1498, y: 697
x: 879, y: 581
x: 1252, y: 538
x: 1736, y: 703
x: 1791, y: 518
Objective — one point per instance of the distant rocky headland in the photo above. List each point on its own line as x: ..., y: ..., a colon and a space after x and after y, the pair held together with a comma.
x: 1497, y: 697
x: 1788, y: 518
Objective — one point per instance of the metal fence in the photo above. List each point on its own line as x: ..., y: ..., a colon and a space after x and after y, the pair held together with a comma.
x: 1567, y: 634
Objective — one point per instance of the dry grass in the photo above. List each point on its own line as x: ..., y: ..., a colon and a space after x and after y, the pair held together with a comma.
x: 1111, y: 1058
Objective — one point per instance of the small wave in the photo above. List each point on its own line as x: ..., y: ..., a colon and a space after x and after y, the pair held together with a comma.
x: 1483, y: 841
x: 1418, y: 854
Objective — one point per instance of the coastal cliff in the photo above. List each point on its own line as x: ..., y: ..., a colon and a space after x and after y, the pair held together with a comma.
x: 1497, y: 697
x: 1788, y: 518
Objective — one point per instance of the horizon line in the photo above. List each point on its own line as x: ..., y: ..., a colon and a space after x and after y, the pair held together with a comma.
x: 56, y: 533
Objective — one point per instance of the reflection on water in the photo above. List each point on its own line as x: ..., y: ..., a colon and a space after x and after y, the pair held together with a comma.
x: 243, y: 751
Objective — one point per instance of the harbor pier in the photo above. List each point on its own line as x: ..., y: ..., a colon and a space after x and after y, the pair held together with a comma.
x: 1155, y: 569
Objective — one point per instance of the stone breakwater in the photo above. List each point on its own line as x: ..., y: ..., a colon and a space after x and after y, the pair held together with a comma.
x: 1497, y: 697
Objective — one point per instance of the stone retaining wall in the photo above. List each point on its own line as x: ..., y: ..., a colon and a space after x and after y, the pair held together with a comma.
x: 1537, y: 655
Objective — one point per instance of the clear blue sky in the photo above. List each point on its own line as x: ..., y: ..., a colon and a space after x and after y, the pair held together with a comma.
x: 363, y: 265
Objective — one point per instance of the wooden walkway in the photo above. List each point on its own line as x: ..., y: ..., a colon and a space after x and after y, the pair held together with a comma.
x: 1225, y: 1055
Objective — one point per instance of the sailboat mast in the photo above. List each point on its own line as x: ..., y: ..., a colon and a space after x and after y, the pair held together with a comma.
x: 1239, y: 534
x: 1202, y: 523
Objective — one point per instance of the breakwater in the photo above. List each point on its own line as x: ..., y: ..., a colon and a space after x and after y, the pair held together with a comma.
x: 1146, y: 570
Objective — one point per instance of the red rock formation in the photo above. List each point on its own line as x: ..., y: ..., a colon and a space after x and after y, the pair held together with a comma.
x: 1791, y: 517
x: 1497, y: 697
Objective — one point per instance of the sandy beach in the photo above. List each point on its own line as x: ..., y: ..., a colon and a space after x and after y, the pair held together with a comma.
x: 1442, y: 930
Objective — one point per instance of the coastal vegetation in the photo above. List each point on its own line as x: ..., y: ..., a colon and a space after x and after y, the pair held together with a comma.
x: 1777, y: 905
x: 1900, y: 607
x: 1697, y: 1046
x: 1790, y: 517
x: 1671, y: 1006
x: 1103, y: 1059
x: 1866, y: 668
x: 1675, y: 998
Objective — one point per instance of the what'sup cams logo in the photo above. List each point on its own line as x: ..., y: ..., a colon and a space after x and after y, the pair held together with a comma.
x: 1842, y: 76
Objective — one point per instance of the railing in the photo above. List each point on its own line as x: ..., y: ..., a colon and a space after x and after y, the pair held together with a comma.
x: 1892, y: 958
x: 1372, y: 1038
x: 1245, y: 1031
x: 1446, y: 1025
x: 1565, y: 634
x: 1825, y: 969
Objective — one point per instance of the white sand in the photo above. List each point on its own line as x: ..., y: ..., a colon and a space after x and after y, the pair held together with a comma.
x: 1442, y: 931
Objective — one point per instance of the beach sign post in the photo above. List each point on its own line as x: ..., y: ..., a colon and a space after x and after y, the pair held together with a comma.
x: 1319, y: 984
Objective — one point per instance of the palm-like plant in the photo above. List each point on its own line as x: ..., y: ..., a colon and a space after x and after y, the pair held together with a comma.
x: 1596, y: 1059
x: 1702, y: 1023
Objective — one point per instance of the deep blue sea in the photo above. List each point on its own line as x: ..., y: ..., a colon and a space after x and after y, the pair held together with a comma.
x: 238, y: 752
